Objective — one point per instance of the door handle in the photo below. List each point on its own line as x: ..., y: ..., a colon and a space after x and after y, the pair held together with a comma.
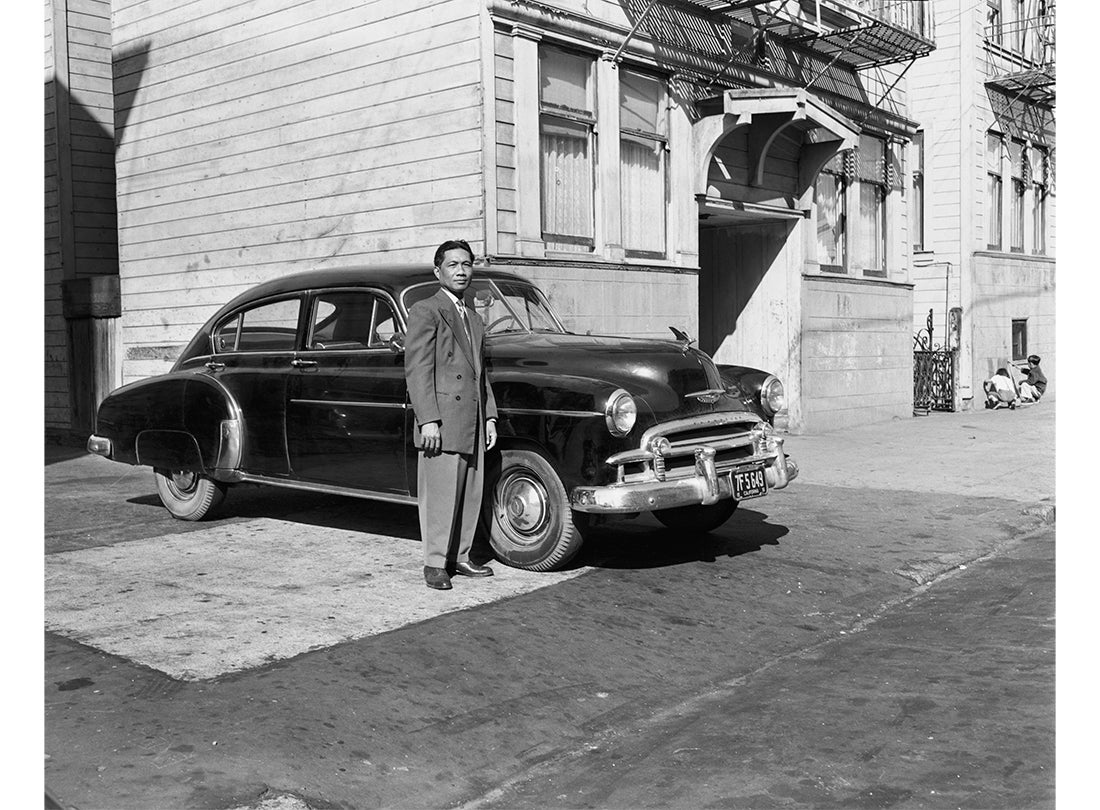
x: 298, y: 362
x: 214, y: 365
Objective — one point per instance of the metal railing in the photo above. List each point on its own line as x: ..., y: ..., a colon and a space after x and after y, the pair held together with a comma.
x: 912, y: 15
x: 1033, y: 38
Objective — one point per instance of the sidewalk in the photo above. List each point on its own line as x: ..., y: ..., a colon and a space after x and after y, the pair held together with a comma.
x: 1001, y: 453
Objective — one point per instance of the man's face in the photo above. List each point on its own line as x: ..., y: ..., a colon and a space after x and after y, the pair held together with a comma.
x: 455, y: 271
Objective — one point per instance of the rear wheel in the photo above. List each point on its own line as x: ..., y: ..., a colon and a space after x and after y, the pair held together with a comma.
x: 697, y: 518
x: 527, y: 513
x: 188, y: 495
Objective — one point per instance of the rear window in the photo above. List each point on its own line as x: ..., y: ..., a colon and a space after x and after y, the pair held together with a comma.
x: 270, y: 327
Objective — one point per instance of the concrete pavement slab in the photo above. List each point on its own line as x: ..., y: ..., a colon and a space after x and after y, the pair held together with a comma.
x: 232, y: 597
x: 982, y: 453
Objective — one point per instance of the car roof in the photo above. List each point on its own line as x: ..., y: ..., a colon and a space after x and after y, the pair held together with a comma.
x: 392, y: 276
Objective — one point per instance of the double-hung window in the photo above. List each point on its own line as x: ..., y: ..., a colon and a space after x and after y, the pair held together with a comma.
x: 870, y: 249
x: 918, y: 218
x: 1017, y: 154
x: 1039, y: 200
x: 830, y: 199
x: 994, y: 22
x: 993, y: 149
x: 643, y: 151
x: 567, y: 122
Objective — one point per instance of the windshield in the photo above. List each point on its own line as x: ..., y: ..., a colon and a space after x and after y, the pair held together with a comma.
x: 504, y: 305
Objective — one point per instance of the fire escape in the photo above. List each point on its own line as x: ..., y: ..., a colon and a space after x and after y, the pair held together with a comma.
x: 1021, y: 53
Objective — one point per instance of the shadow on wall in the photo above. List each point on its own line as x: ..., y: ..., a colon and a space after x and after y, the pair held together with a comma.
x: 82, y: 251
x: 732, y: 264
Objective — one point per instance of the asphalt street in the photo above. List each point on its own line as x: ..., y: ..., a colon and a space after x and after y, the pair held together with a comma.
x: 880, y: 634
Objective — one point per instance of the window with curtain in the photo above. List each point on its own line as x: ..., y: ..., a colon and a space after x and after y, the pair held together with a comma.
x: 993, y: 149
x: 643, y: 154
x: 869, y: 252
x: 918, y: 217
x: 1039, y: 200
x: 830, y: 200
x: 567, y: 144
x: 1017, y: 154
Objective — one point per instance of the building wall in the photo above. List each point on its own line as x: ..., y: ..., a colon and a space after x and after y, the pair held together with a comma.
x: 80, y: 220
x: 857, y: 353
x: 1008, y: 288
x: 957, y: 269
x: 56, y: 368
x: 326, y: 132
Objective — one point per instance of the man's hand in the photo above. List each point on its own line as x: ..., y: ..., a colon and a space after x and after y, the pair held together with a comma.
x: 431, y: 441
x: 490, y: 434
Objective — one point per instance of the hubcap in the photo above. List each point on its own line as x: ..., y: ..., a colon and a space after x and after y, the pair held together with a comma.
x: 524, y: 505
x: 184, y: 481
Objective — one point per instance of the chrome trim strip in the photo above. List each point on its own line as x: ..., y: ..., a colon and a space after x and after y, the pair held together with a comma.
x: 229, y: 445
x: 328, y: 489
x: 392, y: 405
x: 549, y: 412
x: 634, y: 456
x: 701, y: 420
x: 705, y: 485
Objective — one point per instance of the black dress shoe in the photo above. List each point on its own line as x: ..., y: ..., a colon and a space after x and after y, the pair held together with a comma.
x: 469, y: 569
x: 437, y: 578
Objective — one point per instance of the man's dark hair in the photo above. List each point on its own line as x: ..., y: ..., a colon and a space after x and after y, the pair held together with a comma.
x: 451, y: 244
x: 1033, y: 359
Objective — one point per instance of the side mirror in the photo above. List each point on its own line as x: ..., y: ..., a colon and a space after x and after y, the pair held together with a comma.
x: 396, y: 343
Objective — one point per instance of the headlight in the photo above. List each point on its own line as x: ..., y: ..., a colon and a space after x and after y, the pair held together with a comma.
x: 620, y: 413
x: 772, y: 397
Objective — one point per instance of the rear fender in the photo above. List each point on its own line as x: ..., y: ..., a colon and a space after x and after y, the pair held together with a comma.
x: 180, y: 420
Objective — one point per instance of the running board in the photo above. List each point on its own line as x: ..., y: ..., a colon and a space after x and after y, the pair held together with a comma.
x: 327, y: 489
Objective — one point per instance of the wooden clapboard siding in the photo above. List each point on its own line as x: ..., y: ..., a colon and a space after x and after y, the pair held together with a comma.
x: 728, y: 175
x: 55, y: 353
x: 505, y: 129
x: 258, y: 141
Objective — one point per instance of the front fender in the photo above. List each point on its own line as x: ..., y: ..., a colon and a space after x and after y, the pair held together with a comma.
x: 179, y: 420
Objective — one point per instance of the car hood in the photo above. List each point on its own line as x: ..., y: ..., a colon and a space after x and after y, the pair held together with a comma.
x: 577, y: 372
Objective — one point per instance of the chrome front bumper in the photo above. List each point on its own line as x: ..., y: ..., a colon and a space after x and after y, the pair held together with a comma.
x: 705, y: 486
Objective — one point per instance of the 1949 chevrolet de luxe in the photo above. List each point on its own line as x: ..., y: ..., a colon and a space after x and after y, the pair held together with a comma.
x: 299, y: 382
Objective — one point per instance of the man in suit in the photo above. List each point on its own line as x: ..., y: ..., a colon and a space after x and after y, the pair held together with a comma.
x: 455, y: 417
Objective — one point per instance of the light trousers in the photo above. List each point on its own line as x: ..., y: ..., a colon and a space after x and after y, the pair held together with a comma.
x: 449, y: 487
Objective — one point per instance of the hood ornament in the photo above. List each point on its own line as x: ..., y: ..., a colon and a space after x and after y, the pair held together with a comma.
x: 683, y: 337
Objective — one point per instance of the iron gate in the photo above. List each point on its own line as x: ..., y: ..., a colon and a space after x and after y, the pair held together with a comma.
x: 935, y: 371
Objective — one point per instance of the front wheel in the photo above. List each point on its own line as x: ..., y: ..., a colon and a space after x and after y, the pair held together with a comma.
x: 697, y: 518
x: 527, y: 512
x: 187, y: 494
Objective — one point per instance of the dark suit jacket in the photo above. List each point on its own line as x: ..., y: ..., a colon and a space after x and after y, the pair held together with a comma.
x: 446, y: 376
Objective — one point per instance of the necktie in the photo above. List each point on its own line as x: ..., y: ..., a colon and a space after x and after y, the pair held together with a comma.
x: 465, y: 321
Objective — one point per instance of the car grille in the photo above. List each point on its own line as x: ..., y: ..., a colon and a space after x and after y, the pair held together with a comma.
x: 668, y: 451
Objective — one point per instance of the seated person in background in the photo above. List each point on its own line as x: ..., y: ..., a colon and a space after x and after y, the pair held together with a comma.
x: 1036, y: 383
x: 1000, y: 389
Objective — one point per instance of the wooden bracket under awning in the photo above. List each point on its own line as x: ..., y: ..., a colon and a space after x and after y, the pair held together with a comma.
x: 767, y: 112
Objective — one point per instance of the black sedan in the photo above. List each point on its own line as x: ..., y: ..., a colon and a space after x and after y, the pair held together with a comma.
x: 299, y: 382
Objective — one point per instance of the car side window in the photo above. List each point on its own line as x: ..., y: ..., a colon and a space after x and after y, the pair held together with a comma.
x: 267, y: 328
x: 350, y: 320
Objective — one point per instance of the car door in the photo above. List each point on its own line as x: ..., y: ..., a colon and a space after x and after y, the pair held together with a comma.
x: 347, y: 399
x: 254, y: 350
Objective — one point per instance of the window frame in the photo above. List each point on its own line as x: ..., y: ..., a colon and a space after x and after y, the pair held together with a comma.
x: 586, y: 119
x: 881, y: 190
x: 378, y: 297
x: 239, y: 315
x: 842, y: 182
x: 660, y: 142
x: 919, y: 235
x: 995, y: 201
x: 1019, y: 328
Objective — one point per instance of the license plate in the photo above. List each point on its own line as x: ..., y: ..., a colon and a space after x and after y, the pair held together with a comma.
x: 749, y: 484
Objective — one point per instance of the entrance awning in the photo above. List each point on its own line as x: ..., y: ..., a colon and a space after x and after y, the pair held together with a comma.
x: 767, y: 112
